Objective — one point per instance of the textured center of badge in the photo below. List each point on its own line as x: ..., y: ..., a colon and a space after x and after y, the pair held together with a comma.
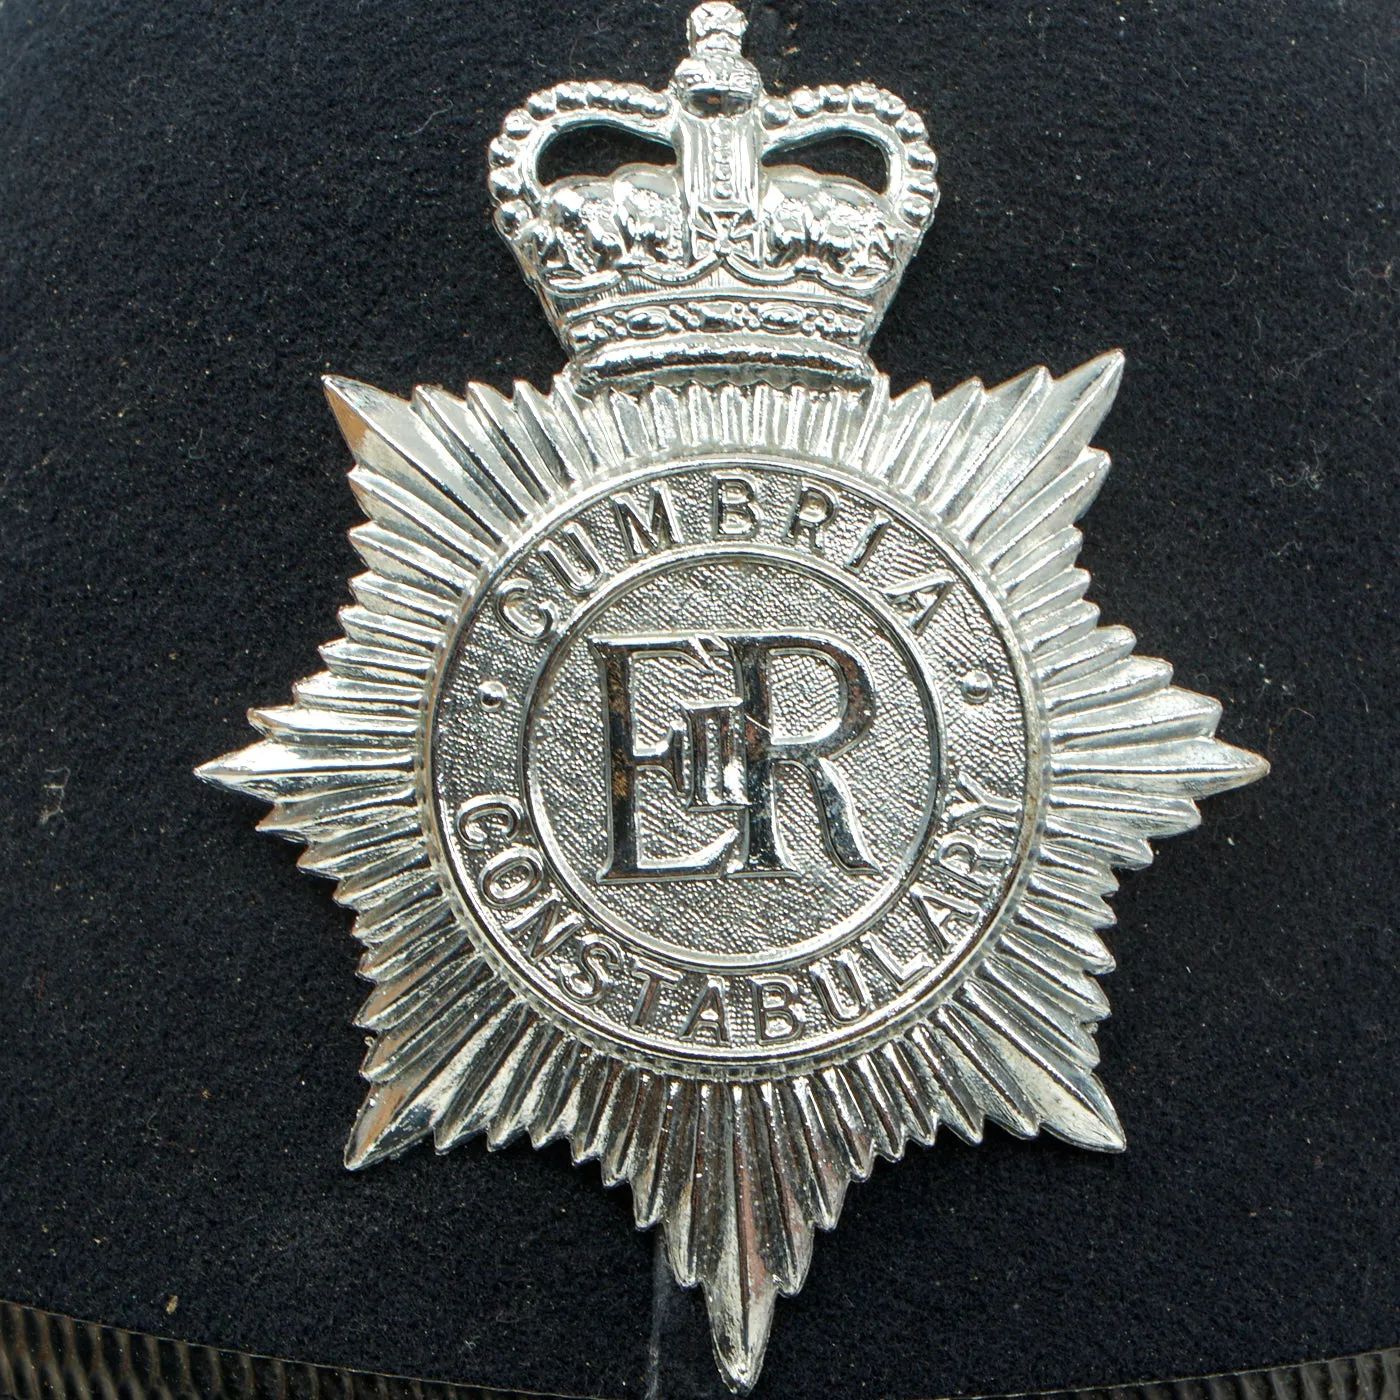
x: 731, y: 763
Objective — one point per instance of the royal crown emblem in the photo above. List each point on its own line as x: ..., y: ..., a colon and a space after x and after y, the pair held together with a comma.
x: 729, y: 259
x: 721, y: 759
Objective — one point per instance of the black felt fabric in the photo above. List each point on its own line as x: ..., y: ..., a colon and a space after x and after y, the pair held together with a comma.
x: 204, y: 206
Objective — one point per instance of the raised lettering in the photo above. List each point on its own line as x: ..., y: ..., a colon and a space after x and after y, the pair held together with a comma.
x: 530, y: 621
x: 851, y: 999
x: 653, y: 977
x: 734, y: 755
x: 812, y: 754
x: 813, y: 510
x: 955, y: 844
x: 935, y: 909
x: 867, y: 544
x: 542, y: 929
x: 579, y: 567
x: 625, y: 763
x: 716, y: 758
x: 978, y: 800
x: 643, y: 535
x: 708, y: 1013
x: 902, y: 975
x: 598, y: 967
x: 508, y: 879
x: 917, y: 599
x: 777, y: 1008
x: 734, y: 510
x: 481, y: 818
x: 961, y: 858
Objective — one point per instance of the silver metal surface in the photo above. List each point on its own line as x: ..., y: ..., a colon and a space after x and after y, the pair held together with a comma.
x: 721, y: 759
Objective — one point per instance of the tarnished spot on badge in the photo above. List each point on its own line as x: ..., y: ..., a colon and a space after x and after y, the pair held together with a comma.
x: 721, y: 759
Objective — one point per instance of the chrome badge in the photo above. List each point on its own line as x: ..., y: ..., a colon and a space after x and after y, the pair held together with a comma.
x: 721, y: 759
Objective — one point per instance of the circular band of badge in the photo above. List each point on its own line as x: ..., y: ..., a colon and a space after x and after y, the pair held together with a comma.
x: 706, y: 763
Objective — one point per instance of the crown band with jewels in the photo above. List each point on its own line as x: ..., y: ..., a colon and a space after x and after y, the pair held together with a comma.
x: 727, y: 259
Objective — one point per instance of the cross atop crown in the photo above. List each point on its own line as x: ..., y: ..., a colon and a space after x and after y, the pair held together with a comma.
x: 717, y: 26
x: 728, y: 258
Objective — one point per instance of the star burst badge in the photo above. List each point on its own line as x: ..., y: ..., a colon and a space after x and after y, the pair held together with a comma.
x: 721, y: 759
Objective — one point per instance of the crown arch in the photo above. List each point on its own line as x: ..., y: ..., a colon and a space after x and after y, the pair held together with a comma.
x: 730, y: 256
